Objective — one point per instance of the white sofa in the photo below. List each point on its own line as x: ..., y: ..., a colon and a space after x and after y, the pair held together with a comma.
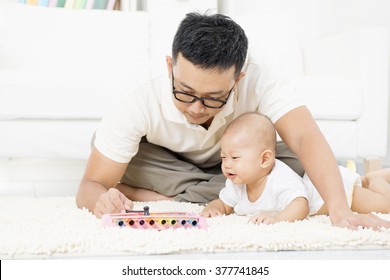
x: 60, y: 68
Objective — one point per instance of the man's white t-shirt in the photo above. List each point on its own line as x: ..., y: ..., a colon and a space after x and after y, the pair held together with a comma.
x: 149, y: 111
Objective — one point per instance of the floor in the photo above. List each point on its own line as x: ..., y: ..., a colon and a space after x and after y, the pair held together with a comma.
x: 42, y: 178
x: 281, y: 255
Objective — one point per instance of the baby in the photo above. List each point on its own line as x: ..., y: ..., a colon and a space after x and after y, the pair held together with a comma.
x: 261, y: 185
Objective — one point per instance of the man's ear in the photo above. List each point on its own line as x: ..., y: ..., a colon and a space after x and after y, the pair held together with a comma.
x: 169, y: 62
x: 267, y: 158
x: 240, y: 76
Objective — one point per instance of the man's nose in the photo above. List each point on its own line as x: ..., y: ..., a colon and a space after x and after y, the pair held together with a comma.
x: 197, y: 107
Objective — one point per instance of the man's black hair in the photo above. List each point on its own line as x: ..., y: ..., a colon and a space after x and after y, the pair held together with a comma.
x: 211, y: 42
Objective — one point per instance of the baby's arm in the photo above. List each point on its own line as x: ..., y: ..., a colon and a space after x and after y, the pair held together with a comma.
x: 298, y: 209
x: 215, y: 208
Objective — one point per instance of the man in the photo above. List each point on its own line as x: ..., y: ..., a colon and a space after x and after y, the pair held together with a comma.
x: 163, y: 140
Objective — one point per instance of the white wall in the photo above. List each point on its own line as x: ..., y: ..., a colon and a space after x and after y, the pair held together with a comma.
x: 339, y: 15
x: 320, y: 18
x: 304, y: 9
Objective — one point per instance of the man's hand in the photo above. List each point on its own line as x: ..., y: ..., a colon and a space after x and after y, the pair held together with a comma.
x: 112, y: 201
x: 353, y: 221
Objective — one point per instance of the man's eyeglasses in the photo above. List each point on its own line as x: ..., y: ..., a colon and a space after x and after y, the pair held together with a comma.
x: 206, y: 101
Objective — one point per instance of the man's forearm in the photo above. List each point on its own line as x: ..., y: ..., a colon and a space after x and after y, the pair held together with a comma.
x: 322, y: 168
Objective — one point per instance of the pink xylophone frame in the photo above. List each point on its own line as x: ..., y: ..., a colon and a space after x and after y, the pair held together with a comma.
x: 157, y: 220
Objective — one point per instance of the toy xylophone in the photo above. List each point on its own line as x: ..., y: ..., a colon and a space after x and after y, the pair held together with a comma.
x: 158, y: 220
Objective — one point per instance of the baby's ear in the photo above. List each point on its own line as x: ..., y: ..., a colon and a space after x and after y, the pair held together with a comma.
x: 267, y: 158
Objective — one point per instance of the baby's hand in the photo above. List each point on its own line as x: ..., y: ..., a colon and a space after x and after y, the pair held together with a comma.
x: 210, y: 212
x: 264, y: 219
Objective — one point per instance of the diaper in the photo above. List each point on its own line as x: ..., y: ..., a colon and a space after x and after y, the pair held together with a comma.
x: 350, y: 179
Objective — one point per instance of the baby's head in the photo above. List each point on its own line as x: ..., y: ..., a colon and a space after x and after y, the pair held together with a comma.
x: 251, y: 129
x: 248, y: 147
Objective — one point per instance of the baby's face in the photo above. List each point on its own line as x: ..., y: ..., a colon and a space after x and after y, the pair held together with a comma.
x: 241, y: 162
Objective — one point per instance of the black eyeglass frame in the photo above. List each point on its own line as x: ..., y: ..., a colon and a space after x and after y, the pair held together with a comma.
x: 195, y: 98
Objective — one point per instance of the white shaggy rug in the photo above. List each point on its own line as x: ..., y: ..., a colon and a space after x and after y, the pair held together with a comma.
x: 55, y: 227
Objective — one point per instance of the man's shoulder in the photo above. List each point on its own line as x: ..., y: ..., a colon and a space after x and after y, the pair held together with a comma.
x: 149, y: 87
x: 256, y: 65
x: 154, y: 83
x: 253, y: 64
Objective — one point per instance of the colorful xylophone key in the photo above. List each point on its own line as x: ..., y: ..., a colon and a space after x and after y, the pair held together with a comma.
x: 157, y: 220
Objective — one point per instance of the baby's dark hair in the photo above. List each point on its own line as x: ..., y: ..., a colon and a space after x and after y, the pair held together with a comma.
x: 211, y: 42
